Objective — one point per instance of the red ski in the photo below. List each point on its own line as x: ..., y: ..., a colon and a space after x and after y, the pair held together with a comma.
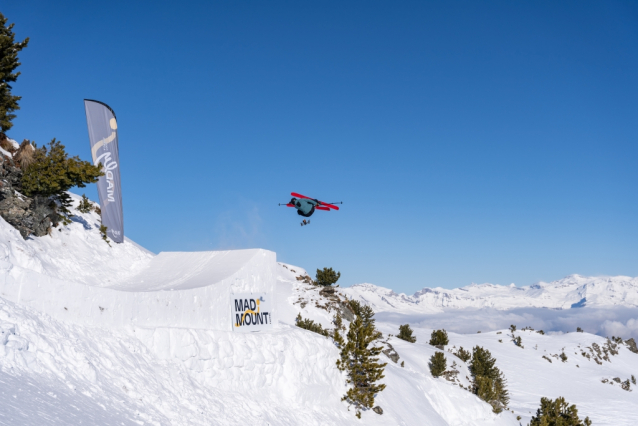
x: 332, y: 206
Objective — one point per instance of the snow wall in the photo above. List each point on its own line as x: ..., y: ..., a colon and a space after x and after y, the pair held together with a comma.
x: 173, y: 289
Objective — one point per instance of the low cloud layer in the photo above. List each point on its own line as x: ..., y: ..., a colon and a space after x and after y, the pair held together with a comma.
x: 617, y: 321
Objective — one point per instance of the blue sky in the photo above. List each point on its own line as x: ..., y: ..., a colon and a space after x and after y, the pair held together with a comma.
x: 469, y: 141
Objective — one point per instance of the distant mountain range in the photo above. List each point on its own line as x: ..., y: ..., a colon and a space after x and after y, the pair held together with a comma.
x: 574, y: 291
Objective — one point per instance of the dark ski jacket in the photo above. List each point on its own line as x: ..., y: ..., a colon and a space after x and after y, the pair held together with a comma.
x: 305, y: 207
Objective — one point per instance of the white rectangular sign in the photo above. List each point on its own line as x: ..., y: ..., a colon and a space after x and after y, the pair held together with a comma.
x: 251, y: 311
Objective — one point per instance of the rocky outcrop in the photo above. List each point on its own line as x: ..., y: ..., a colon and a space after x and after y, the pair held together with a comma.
x: 29, y: 215
x: 391, y: 353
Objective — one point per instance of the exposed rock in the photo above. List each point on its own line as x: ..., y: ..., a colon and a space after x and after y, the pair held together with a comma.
x: 392, y: 354
x: 327, y: 291
x: 29, y: 215
x: 345, y: 311
x: 631, y: 345
x: 378, y: 410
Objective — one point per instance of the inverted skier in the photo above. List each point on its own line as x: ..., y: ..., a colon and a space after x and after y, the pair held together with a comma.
x: 306, y: 206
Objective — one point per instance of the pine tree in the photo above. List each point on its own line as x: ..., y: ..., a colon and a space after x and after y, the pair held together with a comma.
x: 489, y: 382
x: 463, y: 354
x: 52, y: 173
x: 85, y: 205
x: 103, y: 230
x: 405, y: 333
x: 327, y: 277
x: 518, y: 341
x: 355, y: 306
x: 439, y: 338
x: 557, y: 413
x: 9, y: 50
x: 360, y: 360
x: 437, y: 364
x: 336, y: 335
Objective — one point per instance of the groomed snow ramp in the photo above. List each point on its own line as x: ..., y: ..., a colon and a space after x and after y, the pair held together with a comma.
x: 173, y: 289
x: 173, y: 271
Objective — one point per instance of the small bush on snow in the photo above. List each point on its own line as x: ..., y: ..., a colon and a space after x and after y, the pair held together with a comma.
x: 488, y: 381
x: 557, y: 413
x: 405, y: 333
x: 463, y: 354
x: 85, y: 205
x: 327, y: 277
x: 310, y: 325
x: 439, y: 338
x: 437, y: 364
x: 103, y: 230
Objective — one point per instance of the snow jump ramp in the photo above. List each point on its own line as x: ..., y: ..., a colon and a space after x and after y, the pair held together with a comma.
x: 174, y: 289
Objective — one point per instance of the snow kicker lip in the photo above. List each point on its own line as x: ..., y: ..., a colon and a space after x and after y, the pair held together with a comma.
x: 171, y: 271
x: 186, y: 290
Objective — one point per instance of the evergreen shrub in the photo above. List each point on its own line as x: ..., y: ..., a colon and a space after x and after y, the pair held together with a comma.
x: 9, y: 50
x: 310, y: 325
x: 85, y: 205
x: 439, y: 337
x: 463, y: 354
x: 488, y: 381
x: 405, y: 333
x: 360, y: 359
x: 437, y: 364
x: 327, y: 277
x: 103, y: 230
x: 52, y: 173
x: 557, y: 413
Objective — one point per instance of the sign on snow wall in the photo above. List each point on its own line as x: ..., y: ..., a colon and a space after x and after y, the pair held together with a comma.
x: 251, y: 311
x: 100, y: 119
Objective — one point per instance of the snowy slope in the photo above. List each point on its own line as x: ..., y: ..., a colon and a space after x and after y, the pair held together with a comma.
x: 74, y: 275
x: 72, y: 253
x: 574, y: 291
x: 59, y: 370
x: 530, y: 376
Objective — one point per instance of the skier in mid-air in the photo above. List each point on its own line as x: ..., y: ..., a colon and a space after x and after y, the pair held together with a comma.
x: 306, y: 206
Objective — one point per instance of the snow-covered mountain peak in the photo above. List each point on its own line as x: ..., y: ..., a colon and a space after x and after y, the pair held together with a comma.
x: 573, y: 291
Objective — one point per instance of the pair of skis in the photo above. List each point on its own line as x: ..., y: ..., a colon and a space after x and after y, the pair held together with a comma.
x: 322, y: 205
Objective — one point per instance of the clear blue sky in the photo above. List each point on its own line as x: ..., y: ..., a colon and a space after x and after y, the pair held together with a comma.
x: 469, y: 141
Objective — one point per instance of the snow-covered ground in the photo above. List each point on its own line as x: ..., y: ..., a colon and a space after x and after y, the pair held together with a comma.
x: 57, y: 370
